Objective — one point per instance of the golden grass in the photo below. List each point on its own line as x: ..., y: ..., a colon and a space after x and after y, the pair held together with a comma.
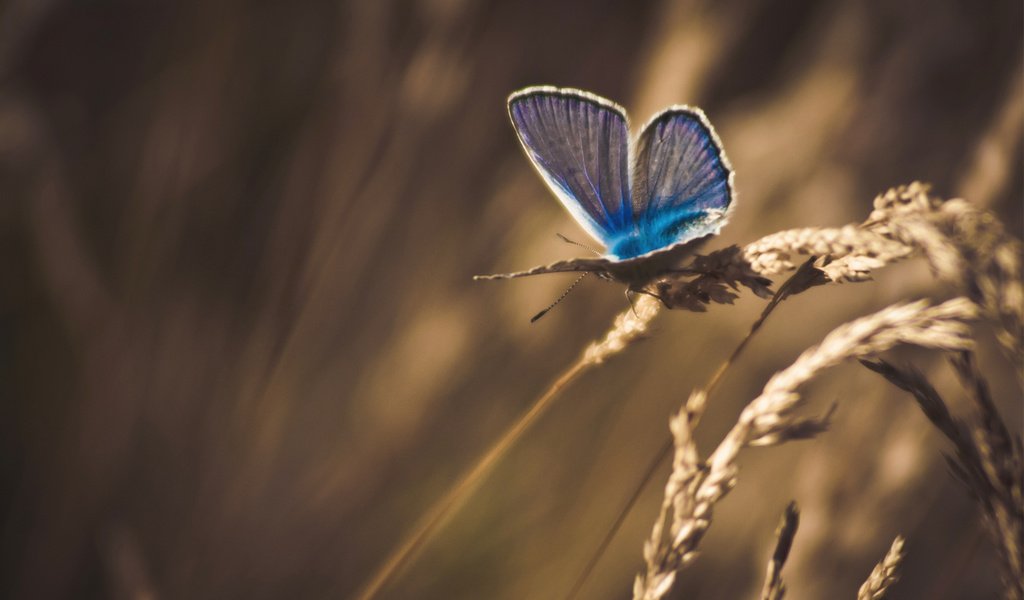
x: 885, y: 573
x: 964, y: 246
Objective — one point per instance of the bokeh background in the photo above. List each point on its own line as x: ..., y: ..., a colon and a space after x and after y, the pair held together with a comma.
x: 242, y: 352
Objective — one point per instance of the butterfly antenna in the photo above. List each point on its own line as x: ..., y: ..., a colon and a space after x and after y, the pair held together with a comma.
x: 560, y: 298
x: 575, y: 243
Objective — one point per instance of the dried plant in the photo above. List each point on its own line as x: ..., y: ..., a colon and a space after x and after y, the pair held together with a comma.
x: 882, y: 577
x: 965, y: 246
x: 629, y: 326
x: 774, y: 588
x: 695, y: 486
x: 885, y: 573
x: 987, y: 459
x: 805, y: 277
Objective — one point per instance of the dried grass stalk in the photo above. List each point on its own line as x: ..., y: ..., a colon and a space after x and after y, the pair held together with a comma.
x: 629, y: 326
x: 987, y: 458
x: 806, y: 276
x: 695, y: 486
x: 774, y: 587
x: 885, y: 573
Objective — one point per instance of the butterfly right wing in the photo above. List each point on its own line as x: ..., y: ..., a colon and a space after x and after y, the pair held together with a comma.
x: 683, y: 183
x: 579, y: 143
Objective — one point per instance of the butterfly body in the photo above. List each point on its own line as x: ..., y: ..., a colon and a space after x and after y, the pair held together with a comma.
x: 649, y: 203
x: 638, y: 271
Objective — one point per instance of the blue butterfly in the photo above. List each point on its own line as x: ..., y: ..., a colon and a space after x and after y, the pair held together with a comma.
x: 677, y: 197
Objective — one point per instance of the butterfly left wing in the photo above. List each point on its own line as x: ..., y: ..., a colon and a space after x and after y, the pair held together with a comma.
x: 682, y: 181
x: 579, y: 143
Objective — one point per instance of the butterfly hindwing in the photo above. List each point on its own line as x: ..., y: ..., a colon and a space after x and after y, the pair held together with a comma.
x: 682, y: 181
x: 579, y: 142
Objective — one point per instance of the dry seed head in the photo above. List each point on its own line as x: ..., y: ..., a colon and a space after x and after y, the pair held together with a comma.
x: 885, y: 573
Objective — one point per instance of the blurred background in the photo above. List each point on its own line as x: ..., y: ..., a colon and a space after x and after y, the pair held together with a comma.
x: 242, y: 352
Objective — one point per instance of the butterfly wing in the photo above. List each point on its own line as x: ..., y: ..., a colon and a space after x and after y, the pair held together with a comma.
x: 682, y: 182
x: 579, y: 143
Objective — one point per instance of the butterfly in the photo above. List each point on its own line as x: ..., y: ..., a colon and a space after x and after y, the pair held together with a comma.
x: 649, y: 203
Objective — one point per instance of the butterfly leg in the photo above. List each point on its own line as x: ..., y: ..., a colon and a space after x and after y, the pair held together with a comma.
x: 630, y: 300
x: 648, y: 292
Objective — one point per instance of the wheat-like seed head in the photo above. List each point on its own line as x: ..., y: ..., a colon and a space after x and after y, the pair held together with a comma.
x: 884, y: 575
x: 773, y: 254
x: 629, y: 326
x: 694, y: 487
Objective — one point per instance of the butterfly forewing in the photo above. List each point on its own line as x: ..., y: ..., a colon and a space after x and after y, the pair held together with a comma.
x: 682, y: 182
x: 580, y: 144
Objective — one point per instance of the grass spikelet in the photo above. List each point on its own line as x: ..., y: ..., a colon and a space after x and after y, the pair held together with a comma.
x: 628, y: 327
x: 774, y: 587
x: 773, y: 254
x: 967, y: 247
x: 884, y: 575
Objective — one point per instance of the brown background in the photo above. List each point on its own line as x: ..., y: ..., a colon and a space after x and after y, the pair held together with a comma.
x: 242, y: 353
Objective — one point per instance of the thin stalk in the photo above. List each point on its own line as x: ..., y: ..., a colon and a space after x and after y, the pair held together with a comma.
x: 443, y: 508
x: 696, y: 410
x: 629, y: 326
